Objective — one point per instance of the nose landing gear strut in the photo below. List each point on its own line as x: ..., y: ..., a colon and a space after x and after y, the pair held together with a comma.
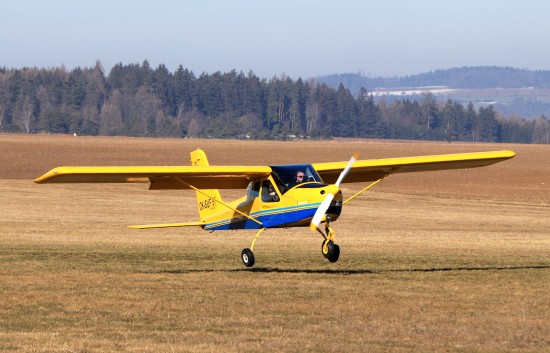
x: 330, y: 250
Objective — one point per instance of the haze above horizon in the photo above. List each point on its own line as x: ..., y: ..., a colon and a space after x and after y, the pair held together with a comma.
x: 300, y: 39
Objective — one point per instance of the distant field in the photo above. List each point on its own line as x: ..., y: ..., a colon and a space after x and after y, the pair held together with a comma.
x: 499, y: 94
x: 525, y: 102
x: 454, y: 261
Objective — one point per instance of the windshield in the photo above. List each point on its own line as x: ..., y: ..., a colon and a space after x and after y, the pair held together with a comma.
x: 288, y: 176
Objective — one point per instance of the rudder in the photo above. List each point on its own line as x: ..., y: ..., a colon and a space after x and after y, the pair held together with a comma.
x: 207, y: 199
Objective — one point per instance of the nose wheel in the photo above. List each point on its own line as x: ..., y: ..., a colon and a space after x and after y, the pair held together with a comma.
x: 330, y: 250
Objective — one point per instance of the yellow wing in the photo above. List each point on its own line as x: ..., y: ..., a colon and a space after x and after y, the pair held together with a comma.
x: 374, y: 169
x: 210, y: 177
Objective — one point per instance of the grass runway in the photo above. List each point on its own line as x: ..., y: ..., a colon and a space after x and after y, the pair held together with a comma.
x: 454, y: 261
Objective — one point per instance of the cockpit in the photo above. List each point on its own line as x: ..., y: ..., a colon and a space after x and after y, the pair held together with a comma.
x: 282, y: 179
x: 288, y: 176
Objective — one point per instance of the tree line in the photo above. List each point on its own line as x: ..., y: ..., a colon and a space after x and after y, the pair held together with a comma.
x: 138, y: 100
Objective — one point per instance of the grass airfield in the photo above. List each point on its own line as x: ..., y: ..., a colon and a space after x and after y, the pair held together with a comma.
x: 451, y: 261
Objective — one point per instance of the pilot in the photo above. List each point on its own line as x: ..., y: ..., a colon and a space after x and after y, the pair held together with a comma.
x: 299, y: 178
x: 300, y: 175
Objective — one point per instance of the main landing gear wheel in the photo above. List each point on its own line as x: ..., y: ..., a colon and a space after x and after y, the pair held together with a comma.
x: 248, y: 257
x: 331, y: 251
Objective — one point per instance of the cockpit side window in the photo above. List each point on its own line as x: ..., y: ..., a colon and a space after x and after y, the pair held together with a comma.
x: 268, y: 192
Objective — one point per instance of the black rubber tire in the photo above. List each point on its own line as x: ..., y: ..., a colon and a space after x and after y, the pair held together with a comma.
x: 335, y: 254
x: 330, y: 248
x: 247, y: 256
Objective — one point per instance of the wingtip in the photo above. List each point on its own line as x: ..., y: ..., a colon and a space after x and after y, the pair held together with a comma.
x: 42, y: 179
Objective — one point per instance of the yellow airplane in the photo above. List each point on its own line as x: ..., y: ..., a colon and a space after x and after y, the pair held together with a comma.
x: 294, y: 195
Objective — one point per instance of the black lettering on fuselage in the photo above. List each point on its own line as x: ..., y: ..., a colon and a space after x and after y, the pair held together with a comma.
x: 209, y: 203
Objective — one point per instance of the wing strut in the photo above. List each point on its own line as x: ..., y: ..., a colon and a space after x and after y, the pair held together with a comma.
x: 220, y: 201
x: 365, y: 189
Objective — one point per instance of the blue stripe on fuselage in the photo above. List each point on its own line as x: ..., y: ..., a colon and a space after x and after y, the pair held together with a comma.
x: 277, y: 217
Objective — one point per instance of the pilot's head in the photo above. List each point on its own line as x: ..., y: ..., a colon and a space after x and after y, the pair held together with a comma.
x: 300, y: 176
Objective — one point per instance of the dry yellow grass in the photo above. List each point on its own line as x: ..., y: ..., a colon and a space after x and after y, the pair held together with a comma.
x: 448, y: 261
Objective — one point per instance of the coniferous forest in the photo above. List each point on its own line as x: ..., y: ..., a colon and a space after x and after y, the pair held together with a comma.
x: 138, y: 100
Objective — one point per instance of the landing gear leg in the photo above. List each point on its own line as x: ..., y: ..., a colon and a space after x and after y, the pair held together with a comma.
x: 247, y: 256
x: 330, y: 250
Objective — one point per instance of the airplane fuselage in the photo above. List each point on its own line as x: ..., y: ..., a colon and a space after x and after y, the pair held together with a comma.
x: 295, y: 207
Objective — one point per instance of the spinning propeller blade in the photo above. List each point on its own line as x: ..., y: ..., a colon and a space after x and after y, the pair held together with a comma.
x: 332, y: 191
x: 347, y: 168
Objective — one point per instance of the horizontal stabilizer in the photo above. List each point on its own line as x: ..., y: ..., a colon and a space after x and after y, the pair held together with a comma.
x: 167, y: 225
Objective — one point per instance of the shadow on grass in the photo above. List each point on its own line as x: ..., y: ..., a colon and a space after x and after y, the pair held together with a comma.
x: 354, y: 272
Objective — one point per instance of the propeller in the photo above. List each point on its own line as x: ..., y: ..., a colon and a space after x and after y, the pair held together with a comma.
x: 332, y: 190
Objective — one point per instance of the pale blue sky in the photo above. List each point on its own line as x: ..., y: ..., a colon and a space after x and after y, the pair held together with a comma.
x: 299, y: 38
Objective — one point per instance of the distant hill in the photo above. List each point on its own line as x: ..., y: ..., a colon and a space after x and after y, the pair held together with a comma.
x: 464, y: 77
x: 510, y: 90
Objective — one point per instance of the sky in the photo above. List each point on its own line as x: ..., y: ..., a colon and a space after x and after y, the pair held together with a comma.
x: 297, y: 38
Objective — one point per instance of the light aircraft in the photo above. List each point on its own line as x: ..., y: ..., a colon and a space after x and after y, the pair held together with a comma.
x: 294, y: 195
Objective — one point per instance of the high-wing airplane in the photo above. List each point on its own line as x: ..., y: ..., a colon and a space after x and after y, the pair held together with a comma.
x: 293, y: 195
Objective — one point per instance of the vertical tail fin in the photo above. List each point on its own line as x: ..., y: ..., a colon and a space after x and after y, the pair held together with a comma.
x: 207, y: 199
